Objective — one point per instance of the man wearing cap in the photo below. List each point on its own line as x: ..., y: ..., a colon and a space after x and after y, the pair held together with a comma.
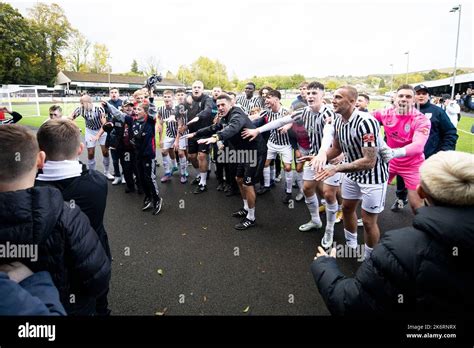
x: 443, y: 137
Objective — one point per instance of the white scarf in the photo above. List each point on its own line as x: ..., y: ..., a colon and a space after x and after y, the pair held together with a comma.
x: 60, y: 170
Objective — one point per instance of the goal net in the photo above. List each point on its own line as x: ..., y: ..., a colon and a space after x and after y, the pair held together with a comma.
x: 22, y: 99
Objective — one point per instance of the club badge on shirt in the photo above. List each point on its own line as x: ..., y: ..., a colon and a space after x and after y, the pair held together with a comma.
x: 407, y: 128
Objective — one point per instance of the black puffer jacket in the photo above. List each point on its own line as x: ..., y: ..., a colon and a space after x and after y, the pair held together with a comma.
x: 426, y: 268
x: 68, y: 247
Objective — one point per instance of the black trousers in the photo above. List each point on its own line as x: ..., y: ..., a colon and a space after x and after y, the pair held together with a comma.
x: 147, y: 175
x: 129, y: 167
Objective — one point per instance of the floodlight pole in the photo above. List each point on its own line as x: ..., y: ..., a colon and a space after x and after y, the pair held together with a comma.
x: 454, y: 9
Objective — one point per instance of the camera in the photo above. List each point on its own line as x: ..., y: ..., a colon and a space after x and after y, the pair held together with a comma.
x: 151, y: 82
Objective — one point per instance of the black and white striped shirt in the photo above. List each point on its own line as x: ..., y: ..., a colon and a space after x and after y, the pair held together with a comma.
x: 314, y: 124
x: 275, y: 136
x: 171, y: 126
x: 92, y: 117
x: 248, y: 104
x: 361, y: 130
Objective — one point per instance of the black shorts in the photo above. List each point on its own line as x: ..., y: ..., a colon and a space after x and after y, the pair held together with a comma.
x: 250, y: 172
x: 194, y: 147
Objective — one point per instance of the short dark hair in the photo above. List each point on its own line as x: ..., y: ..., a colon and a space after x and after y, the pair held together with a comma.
x: 59, y: 139
x: 251, y: 83
x: 224, y: 96
x: 352, y: 91
x: 113, y: 89
x: 405, y: 86
x: 274, y: 93
x: 260, y: 91
x: 55, y: 107
x: 231, y: 93
x: 180, y: 90
x: 19, y: 152
x: 365, y: 96
x: 315, y: 85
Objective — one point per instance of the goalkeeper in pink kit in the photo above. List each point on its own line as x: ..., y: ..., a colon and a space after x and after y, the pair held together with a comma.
x: 407, y: 131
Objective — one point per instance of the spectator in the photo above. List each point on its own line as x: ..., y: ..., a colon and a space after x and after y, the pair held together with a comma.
x: 68, y: 247
x: 15, y: 116
x: 424, y: 268
x: 61, y: 142
x: 23, y: 292
x: 452, y: 108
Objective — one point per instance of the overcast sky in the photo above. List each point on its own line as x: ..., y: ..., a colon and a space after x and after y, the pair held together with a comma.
x: 269, y: 37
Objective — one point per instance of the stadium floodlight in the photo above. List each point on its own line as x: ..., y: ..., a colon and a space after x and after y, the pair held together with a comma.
x: 454, y: 10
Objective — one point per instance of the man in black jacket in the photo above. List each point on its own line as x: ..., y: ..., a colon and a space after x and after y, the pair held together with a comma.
x: 247, y: 154
x: 199, y: 115
x: 424, y: 268
x: 443, y: 137
x: 61, y: 141
x: 68, y: 247
x: 15, y: 116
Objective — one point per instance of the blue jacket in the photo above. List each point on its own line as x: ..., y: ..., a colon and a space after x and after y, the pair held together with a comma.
x: 35, y: 295
x: 443, y: 134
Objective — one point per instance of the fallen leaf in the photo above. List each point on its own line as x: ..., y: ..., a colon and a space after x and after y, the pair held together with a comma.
x: 204, y: 227
x: 160, y: 272
x: 162, y: 312
x: 246, y: 310
x: 205, y: 298
x: 183, y: 234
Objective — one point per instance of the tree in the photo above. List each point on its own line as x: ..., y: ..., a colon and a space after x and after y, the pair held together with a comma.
x: 152, y: 66
x: 331, y: 85
x: 169, y: 75
x: 53, y: 29
x: 184, y: 75
x: 211, y: 73
x: 134, y: 68
x: 78, y: 52
x: 382, y: 84
x: 19, y: 52
x: 100, y: 59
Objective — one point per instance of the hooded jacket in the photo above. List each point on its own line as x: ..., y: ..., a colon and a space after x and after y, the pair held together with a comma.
x: 426, y: 268
x: 68, y: 247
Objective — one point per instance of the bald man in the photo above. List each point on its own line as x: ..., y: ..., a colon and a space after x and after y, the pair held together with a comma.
x: 94, y: 117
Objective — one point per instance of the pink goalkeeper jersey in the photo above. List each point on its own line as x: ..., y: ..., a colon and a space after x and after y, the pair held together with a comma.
x: 409, y: 131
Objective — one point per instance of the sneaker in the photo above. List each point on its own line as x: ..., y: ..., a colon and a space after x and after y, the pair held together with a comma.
x: 227, y: 188
x: 183, y: 179
x: 245, y: 224
x: 339, y: 216
x: 174, y: 169
x: 123, y: 180
x: 166, y: 177
x: 398, y: 205
x: 220, y: 187
x: 146, y: 204
x: 299, y: 197
x: 196, y: 181
x: 117, y: 180
x: 327, y: 240
x: 157, y: 206
x: 295, y: 185
x: 109, y: 176
x: 200, y: 189
x: 310, y: 226
x: 278, y: 178
x: 360, y: 223
x: 322, y: 208
x: 240, y: 213
x: 288, y: 198
x: 263, y: 190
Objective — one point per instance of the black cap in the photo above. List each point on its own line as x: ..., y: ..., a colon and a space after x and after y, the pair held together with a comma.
x: 421, y: 88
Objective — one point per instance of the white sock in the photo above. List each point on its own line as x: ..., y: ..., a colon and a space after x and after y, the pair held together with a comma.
x: 266, y: 176
x: 182, y: 165
x: 272, y: 173
x: 289, y: 181
x: 166, y: 163
x: 331, y: 210
x: 246, y: 205
x: 106, y: 163
x: 313, y: 207
x: 251, y: 214
x: 91, y: 164
x: 203, y: 178
x: 173, y: 163
x: 351, y: 239
x: 367, y: 252
x: 299, y: 180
